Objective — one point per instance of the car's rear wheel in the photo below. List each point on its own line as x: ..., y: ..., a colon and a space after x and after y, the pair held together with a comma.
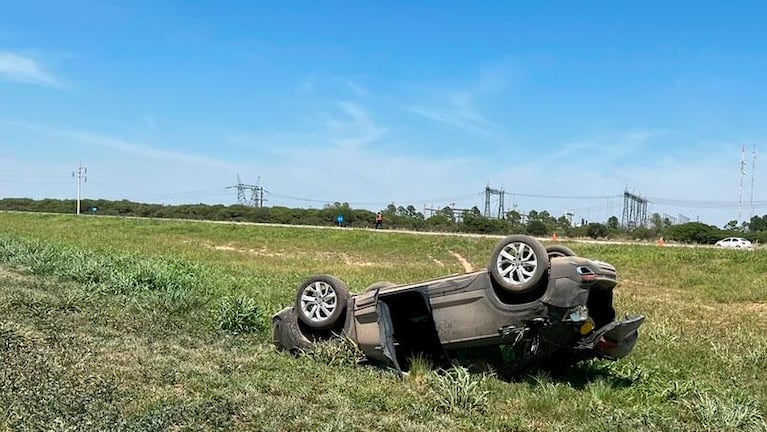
x: 518, y: 263
x: 555, y: 251
x: 321, y: 301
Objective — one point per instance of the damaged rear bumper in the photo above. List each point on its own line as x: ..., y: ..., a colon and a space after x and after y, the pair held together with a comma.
x: 612, y: 341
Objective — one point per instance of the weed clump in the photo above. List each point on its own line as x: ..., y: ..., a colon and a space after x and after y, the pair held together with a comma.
x: 239, y: 314
x: 456, y: 391
x: 715, y: 414
x: 105, y: 271
x: 340, y: 351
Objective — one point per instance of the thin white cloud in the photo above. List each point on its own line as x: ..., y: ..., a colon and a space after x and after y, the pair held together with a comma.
x: 461, y: 117
x: 355, y: 129
x: 460, y: 111
x: 465, y: 106
x: 19, y: 68
x: 609, y: 147
x: 120, y: 145
x: 139, y: 149
x: 356, y: 88
x: 307, y: 85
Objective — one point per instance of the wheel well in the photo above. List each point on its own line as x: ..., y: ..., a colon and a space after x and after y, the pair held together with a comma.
x: 534, y: 294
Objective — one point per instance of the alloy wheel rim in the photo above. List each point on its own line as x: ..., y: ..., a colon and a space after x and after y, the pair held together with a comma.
x: 517, y: 263
x: 318, y: 301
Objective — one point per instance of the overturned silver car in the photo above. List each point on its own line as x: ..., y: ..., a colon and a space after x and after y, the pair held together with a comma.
x: 537, y: 304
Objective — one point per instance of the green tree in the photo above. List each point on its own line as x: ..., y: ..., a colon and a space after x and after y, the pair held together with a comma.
x: 613, y: 223
x: 514, y: 218
x: 695, y: 232
x: 536, y: 228
x: 757, y: 223
x: 596, y: 230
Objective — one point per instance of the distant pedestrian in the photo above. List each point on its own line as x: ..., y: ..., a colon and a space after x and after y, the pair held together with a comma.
x: 379, y: 220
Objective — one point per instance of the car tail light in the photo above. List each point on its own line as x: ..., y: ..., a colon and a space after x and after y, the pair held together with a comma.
x: 606, y: 344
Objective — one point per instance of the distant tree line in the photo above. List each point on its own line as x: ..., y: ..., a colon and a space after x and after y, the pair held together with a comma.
x: 537, y: 223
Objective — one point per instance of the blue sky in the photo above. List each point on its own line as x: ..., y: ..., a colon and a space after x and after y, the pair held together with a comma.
x: 372, y: 103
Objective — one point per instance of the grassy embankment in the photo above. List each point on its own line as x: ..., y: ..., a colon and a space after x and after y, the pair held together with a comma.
x: 149, y: 325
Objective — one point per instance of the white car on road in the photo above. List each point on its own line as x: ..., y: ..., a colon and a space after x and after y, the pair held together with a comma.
x: 735, y: 243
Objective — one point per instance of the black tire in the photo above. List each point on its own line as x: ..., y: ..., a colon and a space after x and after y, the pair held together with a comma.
x: 379, y: 285
x: 555, y: 251
x: 286, y: 333
x: 518, y: 263
x: 321, y: 302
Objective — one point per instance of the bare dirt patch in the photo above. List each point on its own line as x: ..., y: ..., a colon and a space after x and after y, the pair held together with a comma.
x: 263, y: 252
x: 467, y: 267
x: 436, y: 261
x: 348, y: 260
x: 11, y: 275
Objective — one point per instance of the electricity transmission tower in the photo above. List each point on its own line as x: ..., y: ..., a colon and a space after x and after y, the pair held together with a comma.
x: 742, y: 175
x: 81, y: 178
x: 753, y: 172
x: 489, y: 192
x: 634, y: 211
x: 248, y: 194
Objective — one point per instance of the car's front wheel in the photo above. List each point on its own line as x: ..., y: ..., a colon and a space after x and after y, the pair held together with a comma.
x: 518, y: 263
x: 321, y: 301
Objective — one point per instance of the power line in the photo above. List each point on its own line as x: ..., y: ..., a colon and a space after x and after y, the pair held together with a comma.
x: 324, y: 201
x: 591, y: 197
x: 672, y: 202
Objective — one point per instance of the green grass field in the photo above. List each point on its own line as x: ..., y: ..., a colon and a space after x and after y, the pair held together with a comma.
x: 116, y: 324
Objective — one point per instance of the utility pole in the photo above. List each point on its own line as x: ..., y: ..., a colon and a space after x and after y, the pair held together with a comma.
x: 81, y: 178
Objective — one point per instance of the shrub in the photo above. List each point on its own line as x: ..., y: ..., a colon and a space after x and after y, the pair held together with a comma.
x: 536, y: 228
x: 695, y: 232
x: 596, y: 230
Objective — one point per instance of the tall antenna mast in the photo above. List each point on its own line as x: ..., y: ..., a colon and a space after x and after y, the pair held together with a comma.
x: 753, y: 173
x: 742, y: 174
